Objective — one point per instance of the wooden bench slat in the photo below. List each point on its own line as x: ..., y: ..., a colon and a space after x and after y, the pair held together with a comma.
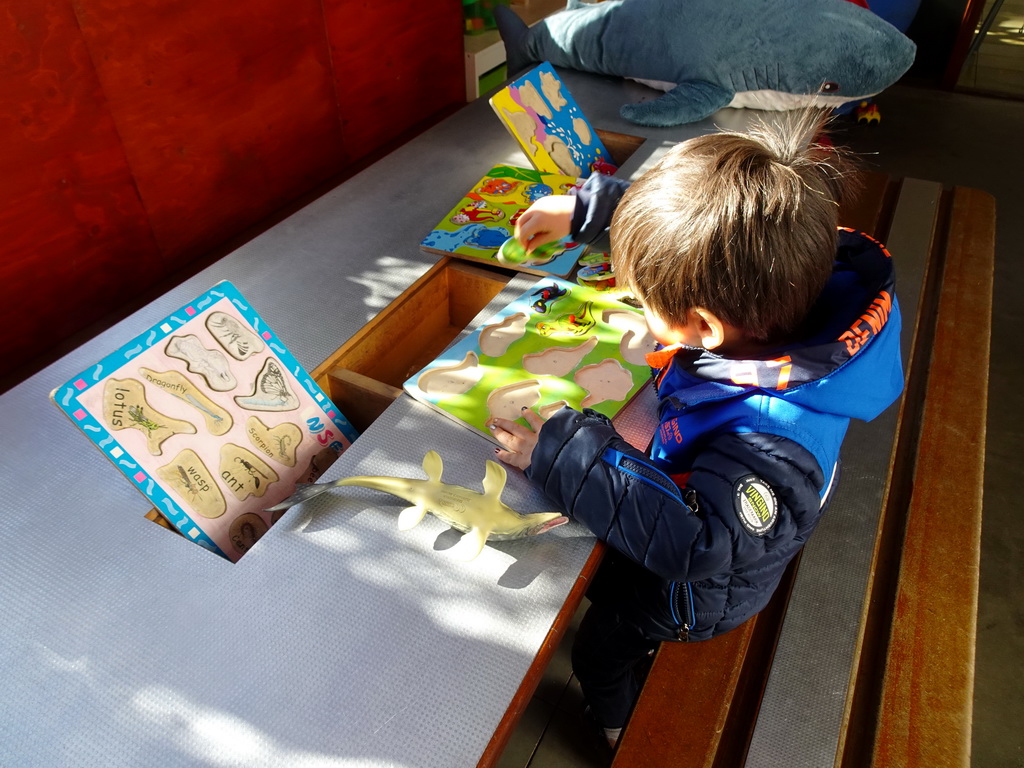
x: 698, y: 690
x: 925, y: 714
x: 700, y: 700
x: 918, y: 232
x: 869, y: 210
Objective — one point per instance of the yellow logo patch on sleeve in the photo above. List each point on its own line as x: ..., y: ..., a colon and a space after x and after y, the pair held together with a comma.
x: 755, y: 505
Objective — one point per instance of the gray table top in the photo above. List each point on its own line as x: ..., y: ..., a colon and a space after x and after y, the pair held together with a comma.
x: 337, y: 639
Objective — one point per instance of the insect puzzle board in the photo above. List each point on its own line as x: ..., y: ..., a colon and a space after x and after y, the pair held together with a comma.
x: 557, y: 344
x: 211, y: 418
x: 544, y: 119
x: 485, y: 218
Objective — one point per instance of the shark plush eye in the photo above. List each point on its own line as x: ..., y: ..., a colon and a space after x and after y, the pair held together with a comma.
x: 829, y: 87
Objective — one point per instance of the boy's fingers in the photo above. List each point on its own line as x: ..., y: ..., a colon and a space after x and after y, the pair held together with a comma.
x: 525, y: 226
x: 505, y: 437
x: 509, y: 452
x: 510, y: 458
x: 512, y: 435
x: 514, y: 429
x: 499, y: 425
x: 530, y: 234
x: 533, y: 418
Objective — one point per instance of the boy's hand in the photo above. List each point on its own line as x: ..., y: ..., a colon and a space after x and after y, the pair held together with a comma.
x: 518, y: 441
x: 546, y: 221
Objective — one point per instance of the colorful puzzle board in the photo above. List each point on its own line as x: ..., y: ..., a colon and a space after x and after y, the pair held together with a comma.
x: 544, y: 119
x: 557, y: 344
x: 485, y: 218
x: 211, y: 418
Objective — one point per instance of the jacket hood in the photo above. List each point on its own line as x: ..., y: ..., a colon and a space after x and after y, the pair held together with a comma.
x: 848, y: 361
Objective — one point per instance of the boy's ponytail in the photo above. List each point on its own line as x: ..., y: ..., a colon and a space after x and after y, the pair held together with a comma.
x: 742, y: 224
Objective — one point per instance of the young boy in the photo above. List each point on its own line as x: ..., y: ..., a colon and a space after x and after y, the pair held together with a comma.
x: 774, y: 329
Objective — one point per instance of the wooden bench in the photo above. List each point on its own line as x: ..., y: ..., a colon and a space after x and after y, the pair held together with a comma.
x: 911, y: 678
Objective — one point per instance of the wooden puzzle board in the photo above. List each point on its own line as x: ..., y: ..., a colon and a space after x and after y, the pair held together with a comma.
x: 557, y: 344
x: 544, y: 119
x: 485, y: 218
x: 211, y: 418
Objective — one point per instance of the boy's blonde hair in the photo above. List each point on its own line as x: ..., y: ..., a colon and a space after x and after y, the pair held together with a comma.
x: 743, y: 225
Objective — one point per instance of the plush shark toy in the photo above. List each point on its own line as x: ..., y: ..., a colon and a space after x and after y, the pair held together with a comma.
x: 709, y: 54
x: 482, y: 516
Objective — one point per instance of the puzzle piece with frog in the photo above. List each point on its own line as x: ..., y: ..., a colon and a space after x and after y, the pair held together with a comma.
x: 484, y: 219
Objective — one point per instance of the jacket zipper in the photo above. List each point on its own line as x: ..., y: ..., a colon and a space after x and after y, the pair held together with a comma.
x: 690, y: 499
x: 682, y: 606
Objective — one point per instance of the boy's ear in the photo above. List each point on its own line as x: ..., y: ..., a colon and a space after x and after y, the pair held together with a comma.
x: 710, y: 329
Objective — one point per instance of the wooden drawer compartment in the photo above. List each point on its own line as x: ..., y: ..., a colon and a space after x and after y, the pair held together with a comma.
x: 620, y: 146
x: 366, y: 373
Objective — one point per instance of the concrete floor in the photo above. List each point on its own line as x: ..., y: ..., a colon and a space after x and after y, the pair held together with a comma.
x: 956, y: 139
x: 997, y: 63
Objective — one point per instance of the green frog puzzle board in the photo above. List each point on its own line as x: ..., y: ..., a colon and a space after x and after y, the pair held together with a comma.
x: 486, y: 216
x: 557, y: 344
x: 211, y: 418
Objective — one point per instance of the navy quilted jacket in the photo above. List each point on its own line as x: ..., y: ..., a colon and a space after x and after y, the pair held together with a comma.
x: 738, y: 474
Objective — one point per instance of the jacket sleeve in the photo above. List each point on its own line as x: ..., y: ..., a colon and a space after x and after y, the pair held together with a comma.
x: 582, y: 464
x: 596, y: 202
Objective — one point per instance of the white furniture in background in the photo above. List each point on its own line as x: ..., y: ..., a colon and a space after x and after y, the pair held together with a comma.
x: 486, y: 51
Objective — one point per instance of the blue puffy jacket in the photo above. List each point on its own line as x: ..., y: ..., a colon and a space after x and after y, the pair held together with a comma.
x: 745, y: 457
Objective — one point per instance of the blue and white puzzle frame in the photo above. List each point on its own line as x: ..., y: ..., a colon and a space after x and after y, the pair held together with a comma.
x: 211, y: 418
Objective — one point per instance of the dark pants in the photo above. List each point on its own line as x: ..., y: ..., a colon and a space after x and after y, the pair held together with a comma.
x: 615, y: 641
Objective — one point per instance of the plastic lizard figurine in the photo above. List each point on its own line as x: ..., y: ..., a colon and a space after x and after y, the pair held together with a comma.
x: 481, y: 516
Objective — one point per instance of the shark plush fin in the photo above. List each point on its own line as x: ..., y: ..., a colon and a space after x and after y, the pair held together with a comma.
x: 471, y: 544
x: 410, y: 517
x: 495, y: 477
x: 433, y: 466
x: 514, y: 34
x: 688, y: 102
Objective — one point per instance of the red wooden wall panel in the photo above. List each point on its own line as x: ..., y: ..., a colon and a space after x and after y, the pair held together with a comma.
x: 396, y: 63
x: 137, y: 135
x: 226, y: 109
x: 73, y: 234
